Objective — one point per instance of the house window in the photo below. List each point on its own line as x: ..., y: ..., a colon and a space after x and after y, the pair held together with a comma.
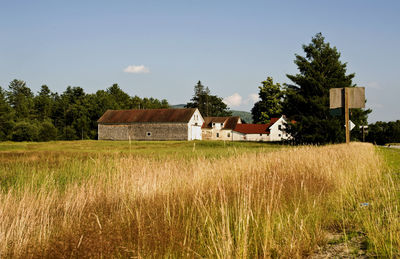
x: 217, y: 135
x: 279, y: 127
x: 260, y: 134
x: 148, y: 134
x: 229, y: 134
x: 213, y: 123
x: 195, y: 124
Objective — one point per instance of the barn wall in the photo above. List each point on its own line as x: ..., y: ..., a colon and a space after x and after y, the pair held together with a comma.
x: 138, y: 131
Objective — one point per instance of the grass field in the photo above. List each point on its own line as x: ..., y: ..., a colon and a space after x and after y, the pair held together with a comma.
x: 195, y: 199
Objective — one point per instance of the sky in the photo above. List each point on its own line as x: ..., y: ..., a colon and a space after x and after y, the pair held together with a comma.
x: 161, y: 49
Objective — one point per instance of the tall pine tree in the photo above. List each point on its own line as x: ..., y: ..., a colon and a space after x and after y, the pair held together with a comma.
x: 307, y: 100
x: 208, y: 105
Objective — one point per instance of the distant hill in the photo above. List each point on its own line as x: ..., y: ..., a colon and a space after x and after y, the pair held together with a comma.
x: 178, y: 106
x: 246, y: 116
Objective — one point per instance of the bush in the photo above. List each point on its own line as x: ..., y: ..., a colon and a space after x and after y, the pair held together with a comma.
x: 25, y: 131
x: 47, y: 131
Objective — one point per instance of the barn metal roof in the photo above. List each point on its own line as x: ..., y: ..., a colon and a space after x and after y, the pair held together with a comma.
x: 149, y: 115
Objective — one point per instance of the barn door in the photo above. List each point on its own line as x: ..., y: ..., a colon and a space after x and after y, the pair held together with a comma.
x: 196, y: 132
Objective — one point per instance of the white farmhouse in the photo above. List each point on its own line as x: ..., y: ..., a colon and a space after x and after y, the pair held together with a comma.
x: 219, y: 128
x: 274, y: 131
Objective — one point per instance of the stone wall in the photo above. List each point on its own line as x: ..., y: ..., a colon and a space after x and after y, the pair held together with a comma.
x: 143, y: 131
x: 211, y: 134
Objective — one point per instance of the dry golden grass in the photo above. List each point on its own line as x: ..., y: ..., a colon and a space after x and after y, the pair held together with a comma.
x: 248, y: 205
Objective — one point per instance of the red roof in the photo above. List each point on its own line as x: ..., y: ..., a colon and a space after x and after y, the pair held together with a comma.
x: 150, y: 115
x: 252, y: 128
x: 255, y: 128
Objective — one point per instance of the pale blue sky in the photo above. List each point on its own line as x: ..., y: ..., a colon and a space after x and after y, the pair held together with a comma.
x: 229, y: 45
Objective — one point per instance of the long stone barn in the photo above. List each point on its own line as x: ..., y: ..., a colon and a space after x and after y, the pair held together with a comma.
x: 150, y: 124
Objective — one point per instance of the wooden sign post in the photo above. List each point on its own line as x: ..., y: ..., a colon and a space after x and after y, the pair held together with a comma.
x: 347, y: 98
x: 346, y: 114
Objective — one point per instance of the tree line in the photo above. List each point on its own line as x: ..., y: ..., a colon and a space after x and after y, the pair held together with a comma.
x: 71, y: 115
x: 384, y: 132
x: 305, y: 102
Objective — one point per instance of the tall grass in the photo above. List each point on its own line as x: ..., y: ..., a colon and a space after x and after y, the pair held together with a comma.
x: 247, y: 205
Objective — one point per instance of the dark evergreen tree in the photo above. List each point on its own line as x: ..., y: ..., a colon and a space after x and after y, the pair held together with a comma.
x: 7, y: 116
x: 120, y: 99
x: 208, y: 105
x: 44, y: 103
x: 307, y: 100
x: 270, y: 104
x: 20, y: 97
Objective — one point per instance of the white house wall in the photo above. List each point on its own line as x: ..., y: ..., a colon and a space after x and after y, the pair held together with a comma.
x: 194, y: 126
x: 275, y: 133
x: 237, y: 136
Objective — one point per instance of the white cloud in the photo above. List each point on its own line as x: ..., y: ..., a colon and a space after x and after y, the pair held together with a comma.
x: 141, y: 69
x: 237, y: 100
x: 233, y: 100
x: 253, y: 98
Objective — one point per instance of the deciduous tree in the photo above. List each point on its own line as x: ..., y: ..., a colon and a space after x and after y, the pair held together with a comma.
x: 270, y: 105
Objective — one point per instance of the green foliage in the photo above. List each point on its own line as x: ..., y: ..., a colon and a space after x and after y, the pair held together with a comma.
x: 208, y: 105
x: 307, y: 100
x: 6, y: 117
x: 43, y: 103
x: 384, y: 132
x: 270, y: 105
x: 20, y: 97
x: 47, y: 131
x: 70, y: 115
x: 25, y: 131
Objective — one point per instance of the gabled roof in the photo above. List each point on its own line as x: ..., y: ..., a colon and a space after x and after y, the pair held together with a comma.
x: 229, y: 122
x: 252, y: 128
x: 255, y: 128
x: 149, y: 115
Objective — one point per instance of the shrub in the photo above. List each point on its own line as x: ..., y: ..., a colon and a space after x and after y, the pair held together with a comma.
x: 47, y: 131
x: 25, y: 131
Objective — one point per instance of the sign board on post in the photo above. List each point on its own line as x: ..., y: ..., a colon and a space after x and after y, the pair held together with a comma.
x: 356, y: 97
x: 348, y: 97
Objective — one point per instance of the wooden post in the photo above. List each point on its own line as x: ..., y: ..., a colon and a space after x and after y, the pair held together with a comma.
x: 346, y: 114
